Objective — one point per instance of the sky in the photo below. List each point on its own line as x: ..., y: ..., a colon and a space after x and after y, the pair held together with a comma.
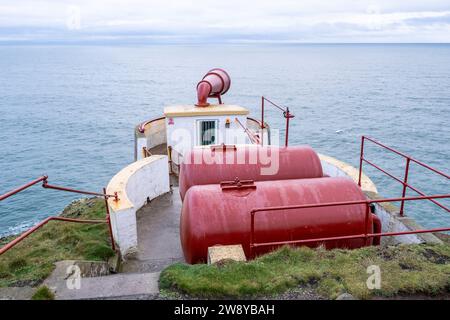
x: 226, y: 21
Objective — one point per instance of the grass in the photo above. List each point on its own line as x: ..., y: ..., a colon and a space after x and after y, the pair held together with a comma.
x: 405, y: 270
x: 32, y: 260
x: 43, y: 293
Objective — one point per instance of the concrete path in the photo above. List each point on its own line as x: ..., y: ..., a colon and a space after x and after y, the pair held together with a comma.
x: 158, y: 226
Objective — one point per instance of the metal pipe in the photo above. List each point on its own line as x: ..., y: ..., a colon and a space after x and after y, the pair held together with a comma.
x: 405, y: 184
x: 49, y: 186
x: 262, y: 120
x: 357, y: 236
x: 361, y: 157
x: 108, y: 219
x: 286, y: 114
x: 406, y: 156
x: 366, y: 235
x: 345, y: 203
x: 23, y: 187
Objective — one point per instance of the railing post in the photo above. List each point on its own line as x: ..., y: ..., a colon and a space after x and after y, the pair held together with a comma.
x: 169, y: 153
x: 367, y: 226
x: 108, y: 219
x: 361, y: 157
x: 262, y: 112
x: 287, y: 115
x: 405, y: 184
x: 262, y: 120
x: 252, y: 231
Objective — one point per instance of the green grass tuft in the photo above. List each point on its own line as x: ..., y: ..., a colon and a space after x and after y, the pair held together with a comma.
x: 43, y: 293
x: 405, y: 269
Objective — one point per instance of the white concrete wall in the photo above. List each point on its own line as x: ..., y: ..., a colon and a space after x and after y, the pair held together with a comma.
x: 182, y: 135
x: 146, y: 178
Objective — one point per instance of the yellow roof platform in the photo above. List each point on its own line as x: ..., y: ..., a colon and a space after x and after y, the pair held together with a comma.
x: 211, y: 110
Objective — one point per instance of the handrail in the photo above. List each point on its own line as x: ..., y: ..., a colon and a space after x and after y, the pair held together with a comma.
x: 141, y: 127
x: 23, y: 187
x: 49, y: 186
x: 253, y: 138
x: 44, y: 180
x: 365, y: 235
x: 286, y: 113
x: 404, y: 182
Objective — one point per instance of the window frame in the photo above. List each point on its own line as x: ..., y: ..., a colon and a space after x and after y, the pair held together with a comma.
x: 199, y: 131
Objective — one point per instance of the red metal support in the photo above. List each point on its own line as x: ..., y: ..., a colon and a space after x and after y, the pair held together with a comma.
x: 262, y: 112
x: 44, y: 180
x: 49, y: 186
x: 367, y: 234
x: 407, y: 156
x: 404, y: 182
x: 262, y: 120
x: 23, y: 187
x: 108, y: 219
x: 288, y: 116
x: 405, y: 185
x: 361, y: 158
x: 286, y: 113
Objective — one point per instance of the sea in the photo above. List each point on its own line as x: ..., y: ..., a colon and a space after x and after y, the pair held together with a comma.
x: 69, y: 111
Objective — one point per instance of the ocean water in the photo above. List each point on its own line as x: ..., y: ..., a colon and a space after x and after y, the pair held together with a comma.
x: 69, y: 111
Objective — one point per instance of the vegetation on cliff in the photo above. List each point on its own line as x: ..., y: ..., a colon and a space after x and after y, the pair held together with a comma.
x: 32, y: 260
x: 405, y: 270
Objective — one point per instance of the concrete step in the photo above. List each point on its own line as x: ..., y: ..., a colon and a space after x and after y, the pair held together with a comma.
x: 68, y: 286
x: 118, y: 285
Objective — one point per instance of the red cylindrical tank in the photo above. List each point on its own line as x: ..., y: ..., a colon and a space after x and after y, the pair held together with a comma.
x: 247, y: 162
x: 215, y: 216
x: 214, y: 84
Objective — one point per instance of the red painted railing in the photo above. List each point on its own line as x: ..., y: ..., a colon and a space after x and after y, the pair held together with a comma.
x: 287, y: 115
x: 404, y: 182
x: 44, y: 180
x: 142, y: 126
x: 367, y: 203
x: 365, y: 235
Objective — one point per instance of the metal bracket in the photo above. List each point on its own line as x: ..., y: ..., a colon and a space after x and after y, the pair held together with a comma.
x: 223, y: 147
x: 238, y: 184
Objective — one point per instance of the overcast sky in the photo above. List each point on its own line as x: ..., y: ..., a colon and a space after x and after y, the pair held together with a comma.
x: 236, y: 21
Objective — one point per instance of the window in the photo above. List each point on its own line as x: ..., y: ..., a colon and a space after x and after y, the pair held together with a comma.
x: 207, y: 132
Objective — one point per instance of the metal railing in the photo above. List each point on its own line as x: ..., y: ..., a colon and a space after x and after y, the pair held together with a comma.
x: 368, y: 202
x: 253, y: 138
x: 404, y: 182
x: 142, y: 126
x: 286, y: 113
x: 366, y: 235
x: 45, y: 184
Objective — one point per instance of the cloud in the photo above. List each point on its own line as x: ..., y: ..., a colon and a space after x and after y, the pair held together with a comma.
x: 228, y: 21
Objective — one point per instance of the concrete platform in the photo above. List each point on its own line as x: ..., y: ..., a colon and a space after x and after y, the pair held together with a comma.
x: 158, y: 235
